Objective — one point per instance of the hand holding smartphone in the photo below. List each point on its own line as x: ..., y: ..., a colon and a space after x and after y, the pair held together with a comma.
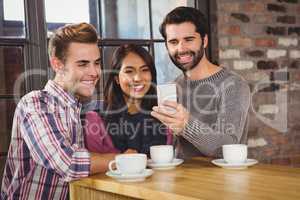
x: 166, y: 92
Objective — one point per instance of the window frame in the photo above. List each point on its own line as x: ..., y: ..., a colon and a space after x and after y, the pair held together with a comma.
x: 35, y: 41
x: 34, y: 45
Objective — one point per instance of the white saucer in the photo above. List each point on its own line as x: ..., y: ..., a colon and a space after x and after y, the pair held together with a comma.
x: 222, y: 163
x: 130, y: 177
x: 164, y: 166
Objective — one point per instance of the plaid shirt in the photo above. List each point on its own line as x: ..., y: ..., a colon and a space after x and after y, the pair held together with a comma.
x: 47, y: 148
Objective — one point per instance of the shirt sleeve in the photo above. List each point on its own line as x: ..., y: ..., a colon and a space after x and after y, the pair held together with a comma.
x: 229, y: 127
x: 96, y: 136
x: 49, y: 141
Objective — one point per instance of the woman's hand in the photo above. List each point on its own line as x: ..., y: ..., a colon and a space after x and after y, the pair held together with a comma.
x: 128, y: 151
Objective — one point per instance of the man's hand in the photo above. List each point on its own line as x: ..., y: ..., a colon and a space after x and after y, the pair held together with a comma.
x: 175, y: 120
x: 99, y: 162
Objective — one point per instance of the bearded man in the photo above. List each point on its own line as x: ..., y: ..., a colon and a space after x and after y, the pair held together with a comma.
x: 213, y: 102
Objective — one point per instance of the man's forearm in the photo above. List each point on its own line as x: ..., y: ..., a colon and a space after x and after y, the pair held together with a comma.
x: 99, y: 162
x: 205, y: 138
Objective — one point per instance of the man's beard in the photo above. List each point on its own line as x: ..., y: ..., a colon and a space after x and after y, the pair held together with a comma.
x: 197, y: 56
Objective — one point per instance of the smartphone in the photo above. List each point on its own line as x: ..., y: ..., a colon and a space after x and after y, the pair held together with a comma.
x: 166, y: 92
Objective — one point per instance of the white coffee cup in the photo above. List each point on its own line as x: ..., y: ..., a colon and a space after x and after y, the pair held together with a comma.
x: 235, y: 153
x: 162, y: 153
x: 129, y: 163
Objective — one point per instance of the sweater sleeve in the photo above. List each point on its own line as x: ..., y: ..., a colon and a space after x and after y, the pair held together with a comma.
x: 229, y: 127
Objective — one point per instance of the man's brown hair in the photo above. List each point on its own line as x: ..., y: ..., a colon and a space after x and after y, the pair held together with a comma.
x: 63, y: 36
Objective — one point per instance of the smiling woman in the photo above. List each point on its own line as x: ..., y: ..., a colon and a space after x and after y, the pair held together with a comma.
x: 134, y: 77
x: 124, y: 122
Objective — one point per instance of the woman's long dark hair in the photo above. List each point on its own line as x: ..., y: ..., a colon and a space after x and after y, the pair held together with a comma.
x: 113, y: 95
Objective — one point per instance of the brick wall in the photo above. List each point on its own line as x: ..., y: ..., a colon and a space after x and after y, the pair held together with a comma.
x: 261, y: 41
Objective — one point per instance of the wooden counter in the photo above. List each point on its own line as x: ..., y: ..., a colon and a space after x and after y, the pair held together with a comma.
x: 197, y: 179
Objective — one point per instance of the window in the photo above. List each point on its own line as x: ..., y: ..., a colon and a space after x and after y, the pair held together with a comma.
x: 11, y: 66
x: 57, y: 16
x: 119, y: 22
x: 12, y: 42
x: 22, y: 50
x: 13, y: 10
x: 12, y: 21
x: 161, y: 8
x: 124, y: 21
x: 58, y: 11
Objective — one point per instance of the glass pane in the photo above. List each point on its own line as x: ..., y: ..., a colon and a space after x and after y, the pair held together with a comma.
x: 161, y: 8
x: 7, y: 109
x: 61, y: 12
x: 166, y: 70
x: 11, y: 67
x: 12, y: 20
x: 125, y: 19
x: 107, y: 56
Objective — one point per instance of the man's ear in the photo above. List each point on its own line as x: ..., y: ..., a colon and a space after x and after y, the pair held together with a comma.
x: 56, y: 64
x: 205, y: 40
